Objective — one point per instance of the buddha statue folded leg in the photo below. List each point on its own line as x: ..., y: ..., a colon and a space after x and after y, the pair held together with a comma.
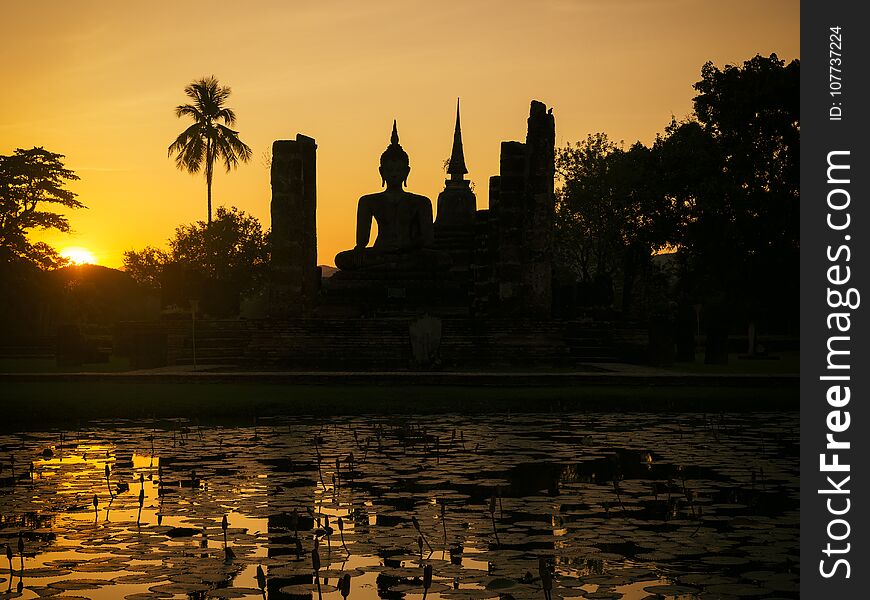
x: 357, y: 258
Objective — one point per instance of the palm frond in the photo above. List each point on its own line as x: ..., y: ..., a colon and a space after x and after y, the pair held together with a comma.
x: 227, y: 115
x: 189, y: 110
x: 189, y: 148
x: 230, y: 148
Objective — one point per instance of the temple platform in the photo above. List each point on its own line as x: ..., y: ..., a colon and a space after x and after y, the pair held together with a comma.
x: 375, y: 293
x: 370, y: 344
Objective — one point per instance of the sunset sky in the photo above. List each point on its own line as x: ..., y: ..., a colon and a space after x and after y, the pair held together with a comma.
x: 98, y: 81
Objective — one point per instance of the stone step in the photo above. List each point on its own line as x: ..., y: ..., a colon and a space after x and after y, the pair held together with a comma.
x: 383, y: 342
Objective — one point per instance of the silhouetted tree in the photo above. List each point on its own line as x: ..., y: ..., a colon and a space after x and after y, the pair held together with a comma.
x: 29, y: 180
x: 692, y: 180
x: 753, y: 113
x: 145, y: 267
x: 610, y: 214
x: 733, y: 174
x: 210, y: 137
x: 232, y: 249
x: 586, y: 225
x: 229, y: 256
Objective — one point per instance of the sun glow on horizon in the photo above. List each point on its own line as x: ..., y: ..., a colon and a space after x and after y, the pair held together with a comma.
x: 78, y: 256
x: 94, y: 69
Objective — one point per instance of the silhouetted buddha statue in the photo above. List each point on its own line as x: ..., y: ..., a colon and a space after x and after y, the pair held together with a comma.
x: 405, y: 232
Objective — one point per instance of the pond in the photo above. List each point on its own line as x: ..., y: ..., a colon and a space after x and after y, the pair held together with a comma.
x: 586, y: 505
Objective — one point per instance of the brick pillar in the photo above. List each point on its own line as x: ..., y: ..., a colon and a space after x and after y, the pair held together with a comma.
x: 486, y: 253
x: 539, y: 210
x: 510, y: 218
x: 522, y: 203
x: 295, y: 276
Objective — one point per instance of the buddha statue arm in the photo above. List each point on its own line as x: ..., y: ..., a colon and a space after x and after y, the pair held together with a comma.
x: 427, y: 231
x: 363, y: 222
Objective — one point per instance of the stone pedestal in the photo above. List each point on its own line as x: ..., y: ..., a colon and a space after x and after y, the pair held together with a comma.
x: 295, y: 276
x: 391, y: 293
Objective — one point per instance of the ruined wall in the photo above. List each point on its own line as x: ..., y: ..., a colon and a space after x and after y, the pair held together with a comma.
x: 510, y: 223
x: 518, y: 233
x: 295, y: 276
x: 539, y: 204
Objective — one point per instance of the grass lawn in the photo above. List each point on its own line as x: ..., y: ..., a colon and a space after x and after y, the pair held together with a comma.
x: 779, y: 363
x: 116, y: 364
x: 41, y: 404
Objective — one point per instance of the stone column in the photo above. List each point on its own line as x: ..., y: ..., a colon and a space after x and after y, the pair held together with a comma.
x: 485, y: 258
x: 522, y: 203
x: 539, y: 210
x: 510, y: 218
x: 295, y: 276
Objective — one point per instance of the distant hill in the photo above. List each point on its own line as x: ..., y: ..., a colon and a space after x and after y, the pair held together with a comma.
x: 92, y: 274
x: 97, y: 294
x: 35, y: 303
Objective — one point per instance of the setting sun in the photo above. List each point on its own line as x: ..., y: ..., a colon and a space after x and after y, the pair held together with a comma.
x: 335, y: 83
x: 79, y: 256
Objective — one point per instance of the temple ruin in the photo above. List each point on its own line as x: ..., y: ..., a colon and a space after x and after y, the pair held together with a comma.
x: 488, y: 262
x: 471, y: 288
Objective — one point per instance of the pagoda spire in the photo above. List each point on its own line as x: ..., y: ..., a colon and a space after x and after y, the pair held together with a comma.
x: 456, y: 169
x: 457, y: 204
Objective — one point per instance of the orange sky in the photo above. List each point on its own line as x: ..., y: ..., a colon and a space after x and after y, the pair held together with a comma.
x: 98, y: 82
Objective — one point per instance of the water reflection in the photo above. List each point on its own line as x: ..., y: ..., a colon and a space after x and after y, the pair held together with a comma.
x: 595, y: 505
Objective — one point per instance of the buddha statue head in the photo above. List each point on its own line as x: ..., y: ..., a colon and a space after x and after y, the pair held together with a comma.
x: 395, y: 164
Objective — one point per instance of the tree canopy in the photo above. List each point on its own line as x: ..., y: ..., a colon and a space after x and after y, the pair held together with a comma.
x: 753, y: 114
x: 721, y: 188
x: 233, y: 248
x: 145, y: 266
x: 229, y: 256
x: 29, y: 181
x: 741, y: 233
x: 610, y: 214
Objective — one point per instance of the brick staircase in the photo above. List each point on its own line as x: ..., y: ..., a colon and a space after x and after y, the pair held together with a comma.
x: 383, y: 343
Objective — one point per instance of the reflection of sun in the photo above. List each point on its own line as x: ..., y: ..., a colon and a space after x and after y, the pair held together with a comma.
x: 79, y: 256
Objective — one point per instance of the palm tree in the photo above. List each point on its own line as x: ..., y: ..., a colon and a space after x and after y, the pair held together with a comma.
x: 210, y: 137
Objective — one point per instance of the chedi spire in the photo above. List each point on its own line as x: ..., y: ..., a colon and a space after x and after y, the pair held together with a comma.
x: 456, y: 204
x: 456, y: 169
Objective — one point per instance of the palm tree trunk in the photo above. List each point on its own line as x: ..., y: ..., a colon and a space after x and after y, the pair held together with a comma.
x: 209, y: 164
